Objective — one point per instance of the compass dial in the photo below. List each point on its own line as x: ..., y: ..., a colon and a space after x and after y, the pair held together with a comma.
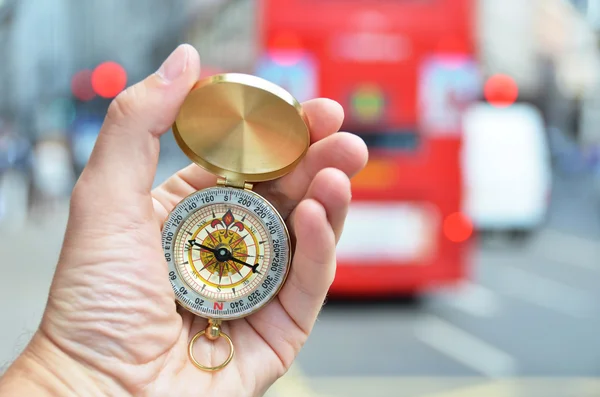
x: 228, y: 252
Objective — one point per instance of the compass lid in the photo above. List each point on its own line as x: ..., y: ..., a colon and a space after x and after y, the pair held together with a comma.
x: 242, y: 128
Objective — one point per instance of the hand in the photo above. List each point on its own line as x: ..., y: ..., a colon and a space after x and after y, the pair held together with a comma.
x: 111, y: 324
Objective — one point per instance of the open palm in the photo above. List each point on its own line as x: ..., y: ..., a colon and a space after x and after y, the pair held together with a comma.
x: 111, y: 307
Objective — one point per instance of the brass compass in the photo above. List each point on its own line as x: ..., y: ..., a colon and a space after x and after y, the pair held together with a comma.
x: 227, y: 248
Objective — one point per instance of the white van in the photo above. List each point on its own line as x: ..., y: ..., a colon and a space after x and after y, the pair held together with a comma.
x: 506, y: 168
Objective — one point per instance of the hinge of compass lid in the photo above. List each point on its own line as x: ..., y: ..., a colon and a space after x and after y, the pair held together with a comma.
x: 234, y: 183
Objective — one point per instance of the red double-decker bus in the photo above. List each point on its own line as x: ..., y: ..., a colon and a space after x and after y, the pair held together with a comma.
x: 404, y: 71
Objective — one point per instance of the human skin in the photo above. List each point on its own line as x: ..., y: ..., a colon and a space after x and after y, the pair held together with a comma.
x: 111, y: 326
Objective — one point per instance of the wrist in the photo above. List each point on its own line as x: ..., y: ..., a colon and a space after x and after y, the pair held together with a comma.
x: 45, y: 370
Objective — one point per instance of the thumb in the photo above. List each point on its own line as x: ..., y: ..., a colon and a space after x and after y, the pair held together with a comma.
x: 122, y: 166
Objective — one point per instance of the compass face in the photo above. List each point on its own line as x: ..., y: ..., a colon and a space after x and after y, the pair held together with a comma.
x: 228, y: 252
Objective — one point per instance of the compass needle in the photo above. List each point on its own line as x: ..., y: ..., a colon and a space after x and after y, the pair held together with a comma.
x: 227, y: 248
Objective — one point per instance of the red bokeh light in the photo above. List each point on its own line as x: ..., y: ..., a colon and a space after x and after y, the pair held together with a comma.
x: 81, y: 85
x: 501, y: 90
x: 457, y: 227
x: 109, y: 79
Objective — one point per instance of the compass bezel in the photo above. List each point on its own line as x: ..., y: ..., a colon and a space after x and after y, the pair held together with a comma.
x: 188, y: 299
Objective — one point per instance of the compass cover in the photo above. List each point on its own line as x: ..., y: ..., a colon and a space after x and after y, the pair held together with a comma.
x: 242, y: 127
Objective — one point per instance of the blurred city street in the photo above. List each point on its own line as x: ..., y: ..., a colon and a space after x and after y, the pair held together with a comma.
x: 479, y: 203
x: 531, y: 312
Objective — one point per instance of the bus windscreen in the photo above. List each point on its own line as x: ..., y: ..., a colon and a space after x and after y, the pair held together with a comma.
x: 405, y: 141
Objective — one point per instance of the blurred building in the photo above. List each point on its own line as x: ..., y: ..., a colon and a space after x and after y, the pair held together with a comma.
x: 225, y: 35
x: 43, y: 44
x: 590, y: 107
x: 538, y: 41
x: 7, y: 12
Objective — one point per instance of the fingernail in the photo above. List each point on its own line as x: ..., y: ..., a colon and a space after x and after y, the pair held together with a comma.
x: 175, y: 64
